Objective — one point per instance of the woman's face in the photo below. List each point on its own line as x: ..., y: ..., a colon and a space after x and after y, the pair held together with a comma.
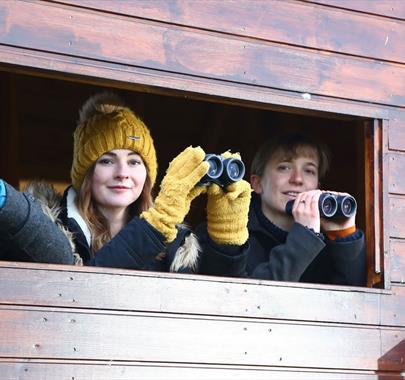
x: 284, y: 177
x: 118, y: 179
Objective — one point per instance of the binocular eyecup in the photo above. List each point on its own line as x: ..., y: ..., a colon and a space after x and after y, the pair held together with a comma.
x: 223, y: 171
x: 331, y: 206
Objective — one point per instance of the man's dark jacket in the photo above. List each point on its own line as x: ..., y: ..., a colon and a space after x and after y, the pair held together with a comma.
x: 299, y: 255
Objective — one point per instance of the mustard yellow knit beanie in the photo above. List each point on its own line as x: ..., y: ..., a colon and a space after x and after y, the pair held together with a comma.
x: 105, y: 123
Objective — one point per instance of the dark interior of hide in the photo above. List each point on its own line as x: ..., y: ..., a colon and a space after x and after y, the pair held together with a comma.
x: 47, y: 111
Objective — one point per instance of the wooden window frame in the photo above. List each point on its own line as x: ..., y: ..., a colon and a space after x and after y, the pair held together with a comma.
x: 375, y: 132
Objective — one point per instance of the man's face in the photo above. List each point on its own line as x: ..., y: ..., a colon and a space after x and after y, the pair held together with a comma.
x: 285, y: 176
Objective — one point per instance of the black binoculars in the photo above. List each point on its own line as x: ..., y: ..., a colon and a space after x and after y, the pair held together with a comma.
x: 332, y: 206
x: 223, y: 171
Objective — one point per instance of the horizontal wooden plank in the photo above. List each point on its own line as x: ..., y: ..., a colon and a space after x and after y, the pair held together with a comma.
x: 397, y: 250
x: 72, y: 32
x: 52, y: 370
x: 287, y: 22
x: 74, y: 334
x: 396, y: 215
x: 396, y: 180
x: 393, y: 349
x: 393, y: 306
x: 389, y: 8
x: 257, y: 299
x: 396, y: 131
x: 52, y: 65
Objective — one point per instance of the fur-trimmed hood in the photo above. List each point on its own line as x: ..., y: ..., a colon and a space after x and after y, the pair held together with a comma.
x: 186, y: 255
x: 50, y: 201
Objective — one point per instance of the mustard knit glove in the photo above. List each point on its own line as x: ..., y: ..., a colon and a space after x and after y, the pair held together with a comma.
x: 227, y: 213
x: 177, y: 190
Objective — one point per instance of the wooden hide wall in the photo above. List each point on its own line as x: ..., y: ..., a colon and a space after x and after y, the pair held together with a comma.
x: 60, y: 322
x: 337, y: 56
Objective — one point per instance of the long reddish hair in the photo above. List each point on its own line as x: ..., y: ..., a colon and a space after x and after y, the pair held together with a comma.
x: 96, y: 222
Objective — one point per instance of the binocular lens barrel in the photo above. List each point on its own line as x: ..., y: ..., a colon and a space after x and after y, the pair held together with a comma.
x: 331, y: 206
x: 234, y: 170
x: 327, y: 205
x: 347, y: 206
x: 216, y: 166
x: 223, y: 171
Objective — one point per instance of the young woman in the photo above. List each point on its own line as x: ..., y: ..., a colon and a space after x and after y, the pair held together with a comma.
x: 302, y: 246
x: 109, y: 209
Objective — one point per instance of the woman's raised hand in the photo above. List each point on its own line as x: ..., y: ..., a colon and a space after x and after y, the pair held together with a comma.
x: 177, y: 190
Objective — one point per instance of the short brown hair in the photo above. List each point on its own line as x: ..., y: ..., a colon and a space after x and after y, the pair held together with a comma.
x: 290, y: 144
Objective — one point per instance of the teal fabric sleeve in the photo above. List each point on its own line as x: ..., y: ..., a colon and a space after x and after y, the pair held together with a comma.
x: 3, y: 194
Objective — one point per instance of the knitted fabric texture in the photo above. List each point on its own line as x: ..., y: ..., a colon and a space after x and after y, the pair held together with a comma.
x: 105, y: 124
x: 177, y: 190
x: 338, y: 234
x: 227, y: 213
x: 228, y: 209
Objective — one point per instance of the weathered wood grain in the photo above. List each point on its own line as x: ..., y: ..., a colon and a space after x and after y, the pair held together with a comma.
x: 51, y: 370
x: 287, y: 22
x: 198, y: 295
x: 384, y: 211
x: 31, y: 331
x: 397, y: 215
x: 397, y: 250
x: 389, y: 8
x: 392, y: 307
x: 372, y: 136
x: 393, y: 349
x: 396, y: 178
x: 76, y: 334
x: 397, y: 131
x: 196, y: 326
x: 73, y: 32
x: 50, y: 65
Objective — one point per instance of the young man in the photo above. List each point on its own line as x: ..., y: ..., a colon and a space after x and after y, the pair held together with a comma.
x: 302, y: 246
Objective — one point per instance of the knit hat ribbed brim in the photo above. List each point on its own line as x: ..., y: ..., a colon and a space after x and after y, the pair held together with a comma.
x: 105, y: 124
